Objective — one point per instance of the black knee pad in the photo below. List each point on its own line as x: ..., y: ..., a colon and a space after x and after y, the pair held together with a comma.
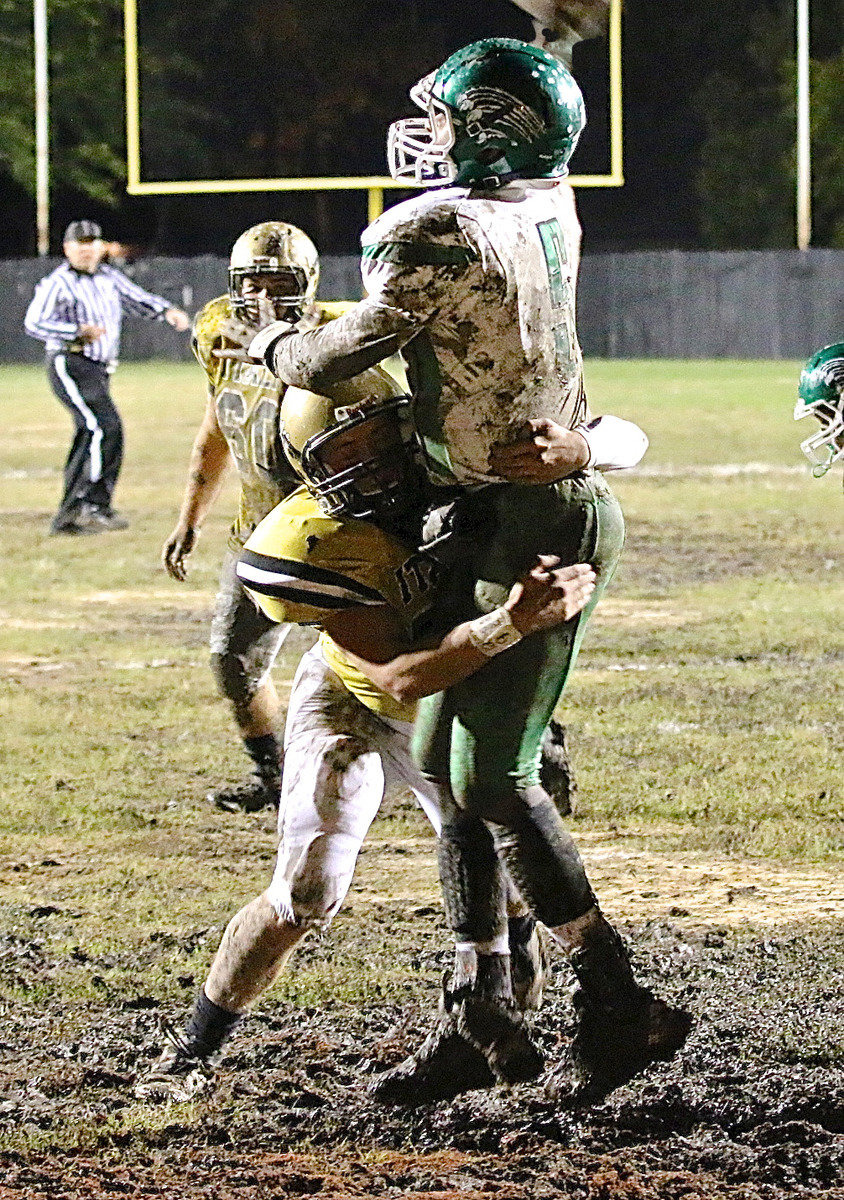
x: 472, y: 881
x: 542, y: 858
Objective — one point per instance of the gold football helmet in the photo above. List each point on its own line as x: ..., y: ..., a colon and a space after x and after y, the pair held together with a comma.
x: 355, y: 448
x: 281, y: 255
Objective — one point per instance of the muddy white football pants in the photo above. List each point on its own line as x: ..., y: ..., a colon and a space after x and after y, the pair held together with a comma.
x: 339, y: 757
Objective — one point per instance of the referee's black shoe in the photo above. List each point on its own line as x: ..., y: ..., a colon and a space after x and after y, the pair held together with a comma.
x: 74, y: 525
x: 101, y: 519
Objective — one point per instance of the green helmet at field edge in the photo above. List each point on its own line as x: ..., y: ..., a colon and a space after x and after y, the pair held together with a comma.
x: 820, y: 394
x: 282, y: 258
x: 354, y: 449
x: 496, y: 110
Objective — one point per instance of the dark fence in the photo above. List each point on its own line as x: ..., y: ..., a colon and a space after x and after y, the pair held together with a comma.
x: 659, y: 304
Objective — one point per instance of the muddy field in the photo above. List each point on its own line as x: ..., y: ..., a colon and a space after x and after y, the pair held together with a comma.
x: 752, y: 1109
x: 706, y: 733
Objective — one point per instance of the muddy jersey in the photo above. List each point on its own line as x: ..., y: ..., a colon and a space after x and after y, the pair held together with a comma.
x: 479, y: 291
x: 247, y: 399
x: 301, y: 565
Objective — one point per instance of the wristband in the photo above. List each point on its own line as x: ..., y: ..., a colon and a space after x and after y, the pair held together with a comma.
x: 263, y: 344
x: 493, y: 632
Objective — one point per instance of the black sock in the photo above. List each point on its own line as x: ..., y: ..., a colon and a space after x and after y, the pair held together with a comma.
x: 519, y: 930
x: 493, y: 977
x: 209, y: 1027
x: 265, y: 753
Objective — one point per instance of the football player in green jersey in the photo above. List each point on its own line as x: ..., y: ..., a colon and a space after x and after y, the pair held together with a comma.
x: 273, y: 273
x: 341, y: 554
x: 473, y: 281
x: 820, y: 394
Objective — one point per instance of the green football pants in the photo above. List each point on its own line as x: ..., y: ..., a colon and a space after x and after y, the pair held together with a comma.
x: 483, y: 736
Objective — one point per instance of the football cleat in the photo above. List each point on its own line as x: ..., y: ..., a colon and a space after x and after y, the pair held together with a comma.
x: 252, y: 794
x: 476, y: 1043
x: 445, y: 1065
x: 611, y: 1046
x: 177, y: 1075
x: 499, y: 1032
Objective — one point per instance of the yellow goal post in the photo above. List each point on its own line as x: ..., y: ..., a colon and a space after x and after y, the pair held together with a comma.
x: 374, y: 185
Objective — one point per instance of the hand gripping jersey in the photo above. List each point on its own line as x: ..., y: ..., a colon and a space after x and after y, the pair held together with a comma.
x: 479, y: 291
x: 247, y: 399
x: 301, y: 565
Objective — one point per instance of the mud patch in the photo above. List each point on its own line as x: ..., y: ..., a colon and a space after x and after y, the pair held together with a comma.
x: 752, y: 1109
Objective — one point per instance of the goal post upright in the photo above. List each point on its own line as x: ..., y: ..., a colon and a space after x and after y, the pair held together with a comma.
x: 373, y: 185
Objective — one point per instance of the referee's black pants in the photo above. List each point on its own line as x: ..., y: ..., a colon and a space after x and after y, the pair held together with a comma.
x: 96, y: 452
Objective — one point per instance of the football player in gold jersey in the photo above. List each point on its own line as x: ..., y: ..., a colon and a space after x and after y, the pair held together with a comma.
x: 341, y: 554
x: 273, y: 273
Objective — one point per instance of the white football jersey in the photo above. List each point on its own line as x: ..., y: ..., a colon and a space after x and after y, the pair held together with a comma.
x: 490, y: 280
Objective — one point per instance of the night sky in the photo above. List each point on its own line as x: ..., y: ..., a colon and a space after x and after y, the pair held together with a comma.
x: 262, y: 95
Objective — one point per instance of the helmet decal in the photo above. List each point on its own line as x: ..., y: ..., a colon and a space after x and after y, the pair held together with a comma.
x: 491, y: 113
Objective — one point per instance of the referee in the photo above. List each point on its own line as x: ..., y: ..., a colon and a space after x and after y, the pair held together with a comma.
x: 77, y: 310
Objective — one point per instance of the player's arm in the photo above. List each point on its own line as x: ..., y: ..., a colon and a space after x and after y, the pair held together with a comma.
x: 318, y: 358
x: 209, y: 460
x: 375, y: 639
x: 410, y: 277
x: 47, y: 314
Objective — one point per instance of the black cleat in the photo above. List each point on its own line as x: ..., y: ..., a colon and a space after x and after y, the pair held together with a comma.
x: 177, y: 1075
x: 445, y: 1065
x: 476, y: 1043
x: 250, y: 795
x: 611, y: 1046
x: 499, y: 1032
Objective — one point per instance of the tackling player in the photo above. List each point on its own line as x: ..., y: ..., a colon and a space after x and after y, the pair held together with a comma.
x: 341, y: 554
x: 820, y: 394
x: 474, y: 281
x: 273, y: 273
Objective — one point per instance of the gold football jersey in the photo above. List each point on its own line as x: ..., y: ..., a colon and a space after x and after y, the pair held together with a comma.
x: 247, y: 398
x: 301, y: 565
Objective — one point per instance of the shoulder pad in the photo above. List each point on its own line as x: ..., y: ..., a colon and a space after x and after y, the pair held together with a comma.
x: 420, y: 231
x: 298, y: 556
x: 206, y: 329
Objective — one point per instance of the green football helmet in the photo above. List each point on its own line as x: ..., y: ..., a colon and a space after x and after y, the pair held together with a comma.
x: 820, y: 394
x: 497, y: 110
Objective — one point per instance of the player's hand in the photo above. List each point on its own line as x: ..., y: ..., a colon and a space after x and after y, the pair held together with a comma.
x: 239, y: 333
x: 549, y: 594
x: 549, y: 454
x: 178, y: 319
x: 90, y: 333
x: 177, y: 549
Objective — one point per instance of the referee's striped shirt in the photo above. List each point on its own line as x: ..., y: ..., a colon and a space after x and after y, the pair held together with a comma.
x: 66, y: 299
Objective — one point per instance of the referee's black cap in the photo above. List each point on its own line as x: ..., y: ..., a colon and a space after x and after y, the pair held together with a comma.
x: 82, y: 231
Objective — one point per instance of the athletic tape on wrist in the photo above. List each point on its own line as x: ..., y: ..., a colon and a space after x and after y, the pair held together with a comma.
x: 493, y: 632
